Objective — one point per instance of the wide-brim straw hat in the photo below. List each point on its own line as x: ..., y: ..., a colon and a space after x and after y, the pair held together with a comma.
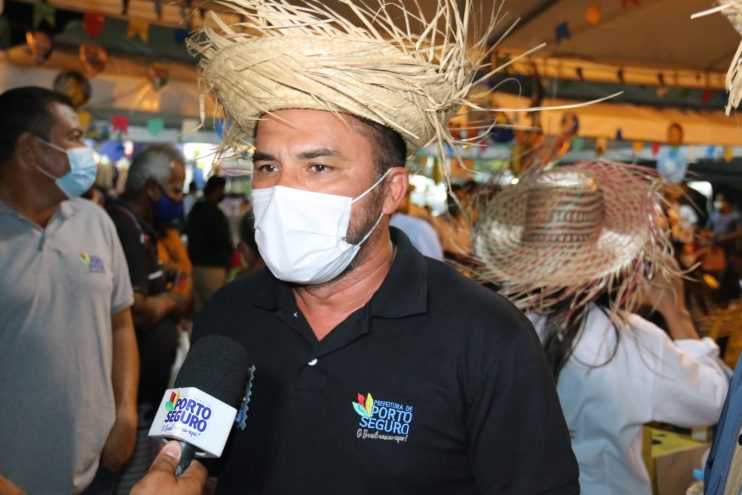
x: 410, y: 76
x: 572, y: 232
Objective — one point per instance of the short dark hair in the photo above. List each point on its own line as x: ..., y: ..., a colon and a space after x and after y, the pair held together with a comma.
x: 26, y: 109
x: 214, y: 183
x: 388, y: 147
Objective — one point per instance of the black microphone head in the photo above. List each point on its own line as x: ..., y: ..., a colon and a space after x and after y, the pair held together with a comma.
x: 215, y: 365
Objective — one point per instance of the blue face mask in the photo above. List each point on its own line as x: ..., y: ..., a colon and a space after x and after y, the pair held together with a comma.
x: 82, y: 170
x: 166, y: 210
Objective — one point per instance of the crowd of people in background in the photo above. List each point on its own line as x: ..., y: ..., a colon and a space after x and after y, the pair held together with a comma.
x: 180, y: 249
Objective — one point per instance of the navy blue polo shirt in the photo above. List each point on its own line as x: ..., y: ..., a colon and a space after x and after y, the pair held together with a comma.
x: 436, y: 386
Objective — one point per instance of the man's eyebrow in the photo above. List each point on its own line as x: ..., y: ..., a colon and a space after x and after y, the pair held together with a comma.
x: 320, y: 152
x: 259, y: 156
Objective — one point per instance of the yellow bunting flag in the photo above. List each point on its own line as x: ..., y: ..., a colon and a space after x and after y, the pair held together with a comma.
x: 593, y: 14
x: 84, y: 118
x: 728, y: 154
x: 140, y: 28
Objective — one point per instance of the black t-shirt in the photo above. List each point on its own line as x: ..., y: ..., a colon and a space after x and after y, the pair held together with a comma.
x: 156, y: 345
x: 209, y: 239
x: 436, y: 386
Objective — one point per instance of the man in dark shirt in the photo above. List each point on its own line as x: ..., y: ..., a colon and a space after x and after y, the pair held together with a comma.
x: 209, y: 242
x: 376, y: 370
x: 153, y: 190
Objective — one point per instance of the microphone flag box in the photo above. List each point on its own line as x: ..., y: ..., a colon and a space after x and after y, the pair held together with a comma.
x: 195, y: 417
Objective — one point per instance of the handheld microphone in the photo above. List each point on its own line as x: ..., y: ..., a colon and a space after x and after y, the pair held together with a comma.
x: 201, y: 408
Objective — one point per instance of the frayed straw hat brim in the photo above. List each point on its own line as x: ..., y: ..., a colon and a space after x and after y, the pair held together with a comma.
x: 382, y: 62
x: 629, y: 247
x: 625, y: 230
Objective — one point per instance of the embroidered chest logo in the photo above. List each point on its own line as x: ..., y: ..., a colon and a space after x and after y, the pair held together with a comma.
x: 382, y: 420
x: 93, y: 262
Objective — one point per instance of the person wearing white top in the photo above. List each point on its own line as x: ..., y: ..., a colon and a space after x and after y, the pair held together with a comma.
x: 607, y: 397
x: 579, y: 248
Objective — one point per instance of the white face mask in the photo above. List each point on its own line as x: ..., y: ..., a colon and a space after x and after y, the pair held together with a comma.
x: 301, y: 234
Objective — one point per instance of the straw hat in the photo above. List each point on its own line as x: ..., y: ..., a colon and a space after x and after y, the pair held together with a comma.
x: 304, y: 54
x: 571, y: 232
x: 732, y: 9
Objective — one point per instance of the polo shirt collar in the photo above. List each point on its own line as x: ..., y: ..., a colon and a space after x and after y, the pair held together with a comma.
x: 404, y: 291
x: 66, y: 209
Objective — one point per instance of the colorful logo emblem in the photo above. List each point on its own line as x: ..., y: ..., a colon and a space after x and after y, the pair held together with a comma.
x: 382, y: 420
x: 170, y: 404
x: 93, y: 262
x: 365, y: 406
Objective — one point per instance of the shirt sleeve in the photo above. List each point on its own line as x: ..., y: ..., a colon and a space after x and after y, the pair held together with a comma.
x: 518, y: 440
x: 688, y: 384
x: 122, y: 295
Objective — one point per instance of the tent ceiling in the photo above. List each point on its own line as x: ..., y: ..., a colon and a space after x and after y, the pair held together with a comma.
x: 656, y: 33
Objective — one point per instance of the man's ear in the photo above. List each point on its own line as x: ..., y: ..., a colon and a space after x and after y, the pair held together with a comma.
x: 395, y: 189
x: 27, y: 149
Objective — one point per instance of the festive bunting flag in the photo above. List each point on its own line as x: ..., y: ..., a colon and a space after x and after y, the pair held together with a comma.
x: 620, y: 76
x: 92, y: 24
x: 561, y: 31
x: 124, y: 7
x: 684, y: 93
x: 139, y: 28
x: 189, y: 126
x: 158, y: 9
x: 637, y: 147
x: 43, y: 12
x: 619, y: 134
x: 578, y: 144
x: 661, y: 78
x: 706, y: 96
x: 580, y: 74
x: 692, y: 152
x: 219, y: 128
x: 710, y: 152
x: 120, y: 123
x: 180, y: 35
x: 84, y: 118
x: 728, y: 154
x: 593, y: 14
x: 601, y: 145
x: 655, y: 148
x: 155, y: 125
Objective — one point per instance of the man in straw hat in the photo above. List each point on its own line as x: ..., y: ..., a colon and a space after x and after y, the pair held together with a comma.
x: 579, y: 247
x: 377, y: 370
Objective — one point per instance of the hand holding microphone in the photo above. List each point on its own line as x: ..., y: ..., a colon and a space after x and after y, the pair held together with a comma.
x: 161, y: 480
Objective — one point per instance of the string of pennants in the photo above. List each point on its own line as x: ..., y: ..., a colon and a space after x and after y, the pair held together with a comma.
x: 40, y: 42
x: 119, y: 126
x: 593, y: 16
